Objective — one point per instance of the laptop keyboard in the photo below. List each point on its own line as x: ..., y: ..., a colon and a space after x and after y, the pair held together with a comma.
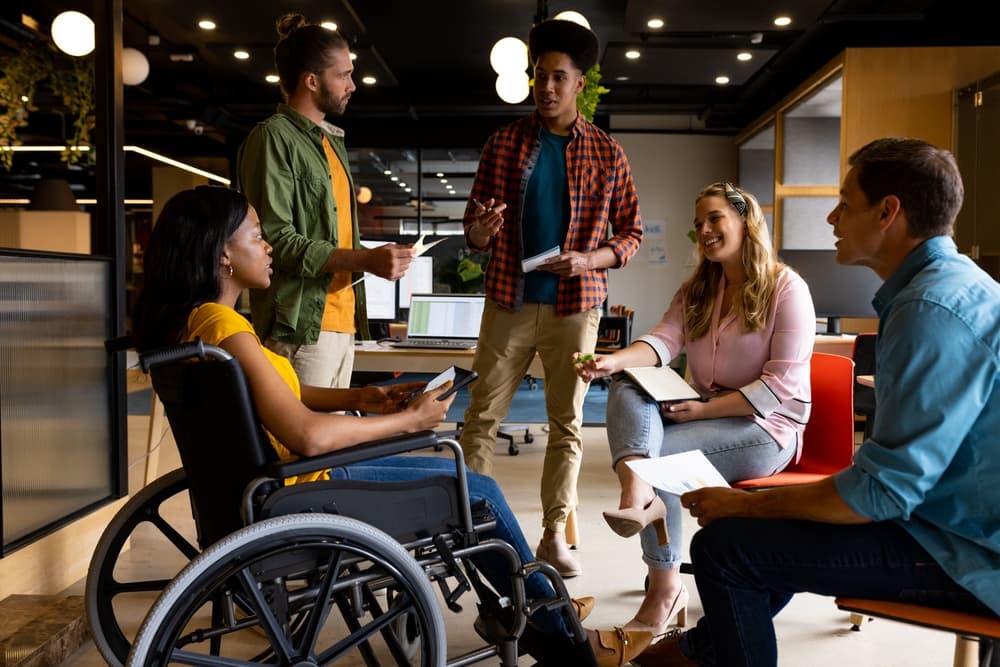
x: 438, y: 344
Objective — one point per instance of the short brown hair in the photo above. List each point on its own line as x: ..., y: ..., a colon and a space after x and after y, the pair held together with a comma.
x: 924, y: 177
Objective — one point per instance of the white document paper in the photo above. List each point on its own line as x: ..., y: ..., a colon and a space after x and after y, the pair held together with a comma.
x: 662, y: 383
x: 532, y: 263
x: 679, y: 473
x: 420, y: 247
x: 448, y: 375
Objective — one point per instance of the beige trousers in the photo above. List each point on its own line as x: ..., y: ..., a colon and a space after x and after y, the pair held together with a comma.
x: 328, y: 363
x: 507, y: 344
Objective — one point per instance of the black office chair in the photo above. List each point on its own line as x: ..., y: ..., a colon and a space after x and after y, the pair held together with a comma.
x: 864, y: 364
x: 299, y: 574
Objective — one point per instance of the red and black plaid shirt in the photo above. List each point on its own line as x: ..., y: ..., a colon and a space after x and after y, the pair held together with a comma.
x: 604, y: 209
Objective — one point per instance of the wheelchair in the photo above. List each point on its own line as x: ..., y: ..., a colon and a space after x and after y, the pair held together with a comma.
x: 326, y: 572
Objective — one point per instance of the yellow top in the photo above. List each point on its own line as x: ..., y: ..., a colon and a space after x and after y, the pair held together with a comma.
x: 214, y: 323
x: 339, y: 312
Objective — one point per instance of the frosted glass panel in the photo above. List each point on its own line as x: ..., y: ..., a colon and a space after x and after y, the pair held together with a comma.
x: 812, y: 151
x: 55, y: 405
x: 804, y: 225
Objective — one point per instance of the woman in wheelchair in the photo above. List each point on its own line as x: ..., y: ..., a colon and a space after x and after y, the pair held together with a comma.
x: 205, y: 249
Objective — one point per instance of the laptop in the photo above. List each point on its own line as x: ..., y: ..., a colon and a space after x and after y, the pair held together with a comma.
x: 443, y: 321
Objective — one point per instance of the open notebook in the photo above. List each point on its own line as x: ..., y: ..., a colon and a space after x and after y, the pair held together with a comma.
x: 443, y: 321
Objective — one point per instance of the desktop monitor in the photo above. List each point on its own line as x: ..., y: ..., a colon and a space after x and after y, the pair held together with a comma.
x: 837, y: 290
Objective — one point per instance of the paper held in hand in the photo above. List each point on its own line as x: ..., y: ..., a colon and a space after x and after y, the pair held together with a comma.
x: 678, y: 473
x: 662, y: 383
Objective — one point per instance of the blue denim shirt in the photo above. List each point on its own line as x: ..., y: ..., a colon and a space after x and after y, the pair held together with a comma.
x: 932, y: 463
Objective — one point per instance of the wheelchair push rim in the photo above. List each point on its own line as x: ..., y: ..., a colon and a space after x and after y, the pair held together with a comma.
x: 267, y: 595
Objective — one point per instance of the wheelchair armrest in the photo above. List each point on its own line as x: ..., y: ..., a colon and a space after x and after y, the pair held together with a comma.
x: 365, y: 451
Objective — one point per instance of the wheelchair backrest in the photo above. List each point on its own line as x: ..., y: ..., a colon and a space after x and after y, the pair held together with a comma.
x: 222, y: 444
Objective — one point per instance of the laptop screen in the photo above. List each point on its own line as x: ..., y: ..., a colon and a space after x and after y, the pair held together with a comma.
x: 451, y: 316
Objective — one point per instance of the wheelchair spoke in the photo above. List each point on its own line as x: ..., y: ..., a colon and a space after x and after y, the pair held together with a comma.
x: 171, y: 533
x: 188, y: 658
x: 321, y: 608
x: 279, y: 642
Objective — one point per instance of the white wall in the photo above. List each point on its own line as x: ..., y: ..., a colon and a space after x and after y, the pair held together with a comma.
x: 669, y: 171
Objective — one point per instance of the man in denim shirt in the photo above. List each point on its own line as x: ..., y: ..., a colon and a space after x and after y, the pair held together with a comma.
x: 916, y: 518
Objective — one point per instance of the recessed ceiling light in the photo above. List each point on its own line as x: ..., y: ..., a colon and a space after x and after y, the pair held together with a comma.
x: 402, y: 184
x: 24, y: 98
x: 354, y: 56
x: 632, y: 54
x: 722, y: 80
x: 329, y: 25
x: 440, y: 174
x: 394, y: 178
x: 621, y: 78
x: 368, y: 80
x: 444, y: 180
x: 782, y: 21
x: 240, y: 54
x: 655, y: 24
x: 744, y: 56
x: 272, y: 78
x: 387, y: 172
x: 407, y: 189
x: 206, y: 24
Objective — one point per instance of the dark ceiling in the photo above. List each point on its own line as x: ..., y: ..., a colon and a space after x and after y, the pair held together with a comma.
x: 435, y: 87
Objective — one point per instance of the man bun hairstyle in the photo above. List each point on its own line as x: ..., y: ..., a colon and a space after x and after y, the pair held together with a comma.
x: 302, y: 47
x: 579, y: 43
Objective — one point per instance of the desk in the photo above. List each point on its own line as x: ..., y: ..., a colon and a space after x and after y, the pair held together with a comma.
x: 867, y: 380
x: 370, y: 356
x: 842, y: 344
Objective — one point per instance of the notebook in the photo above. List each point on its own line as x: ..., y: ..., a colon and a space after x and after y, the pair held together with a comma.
x: 662, y: 383
x: 443, y: 321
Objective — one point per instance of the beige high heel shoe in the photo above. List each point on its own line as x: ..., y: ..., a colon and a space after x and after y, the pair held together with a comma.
x: 629, y: 521
x: 678, y: 609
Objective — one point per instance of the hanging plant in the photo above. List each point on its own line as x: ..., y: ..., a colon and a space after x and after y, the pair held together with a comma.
x: 21, y: 74
x: 586, y: 101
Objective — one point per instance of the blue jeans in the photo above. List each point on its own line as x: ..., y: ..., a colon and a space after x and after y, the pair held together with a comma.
x: 737, y: 446
x: 494, y: 567
x: 748, y: 569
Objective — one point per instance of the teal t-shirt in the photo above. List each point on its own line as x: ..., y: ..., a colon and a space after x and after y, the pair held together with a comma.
x: 545, y: 218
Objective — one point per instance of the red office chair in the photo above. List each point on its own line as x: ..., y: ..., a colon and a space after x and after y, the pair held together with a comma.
x: 828, y: 442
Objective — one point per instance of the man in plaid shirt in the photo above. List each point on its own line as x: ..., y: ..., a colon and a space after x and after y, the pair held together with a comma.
x: 549, y: 181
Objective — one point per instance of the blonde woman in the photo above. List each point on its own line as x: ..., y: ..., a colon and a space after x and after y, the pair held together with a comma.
x: 747, y: 324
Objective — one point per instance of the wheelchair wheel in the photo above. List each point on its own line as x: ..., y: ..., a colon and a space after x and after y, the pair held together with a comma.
x: 110, y: 601
x: 266, y: 593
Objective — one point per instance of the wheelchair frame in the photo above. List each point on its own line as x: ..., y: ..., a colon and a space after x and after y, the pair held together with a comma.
x: 285, y: 574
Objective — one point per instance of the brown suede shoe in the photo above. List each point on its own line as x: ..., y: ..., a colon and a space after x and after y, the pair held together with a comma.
x: 665, y: 653
x: 561, y: 559
x: 583, y: 606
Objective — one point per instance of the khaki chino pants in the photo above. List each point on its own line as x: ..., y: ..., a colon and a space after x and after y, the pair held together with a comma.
x: 507, y: 344
x: 328, y: 363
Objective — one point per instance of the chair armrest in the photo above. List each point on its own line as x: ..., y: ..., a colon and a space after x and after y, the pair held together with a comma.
x: 365, y: 451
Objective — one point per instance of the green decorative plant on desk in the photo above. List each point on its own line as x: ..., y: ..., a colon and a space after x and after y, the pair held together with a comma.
x: 464, y: 273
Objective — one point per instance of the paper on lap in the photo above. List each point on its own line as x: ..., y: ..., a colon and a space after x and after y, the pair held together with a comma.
x: 678, y: 473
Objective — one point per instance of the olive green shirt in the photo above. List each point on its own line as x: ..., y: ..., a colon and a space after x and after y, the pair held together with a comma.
x: 283, y: 171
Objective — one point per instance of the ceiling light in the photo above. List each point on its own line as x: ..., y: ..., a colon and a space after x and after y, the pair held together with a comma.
x: 272, y: 78
x: 509, y: 54
x: 206, y: 24
x: 24, y: 98
x: 181, y: 57
x: 240, y: 54
x: 135, y: 67
x: 575, y: 17
x: 655, y: 24
x: 394, y: 178
x: 440, y: 174
x: 387, y: 172
x: 329, y: 25
x: 512, y: 87
x: 782, y: 21
x: 368, y: 80
x: 354, y: 56
x: 402, y: 184
x: 621, y: 78
x: 444, y: 180
x: 73, y: 33
x: 744, y: 56
x: 632, y: 54
x: 722, y: 80
x: 407, y: 189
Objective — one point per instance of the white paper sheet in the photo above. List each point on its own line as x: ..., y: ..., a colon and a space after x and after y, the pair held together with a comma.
x: 420, y: 247
x: 679, y: 473
x: 532, y: 263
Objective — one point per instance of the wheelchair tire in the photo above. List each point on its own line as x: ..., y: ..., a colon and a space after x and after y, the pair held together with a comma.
x: 103, y: 587
x: 275, y: 577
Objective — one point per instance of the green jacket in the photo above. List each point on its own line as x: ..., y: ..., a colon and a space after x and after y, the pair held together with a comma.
x: 283, y: 171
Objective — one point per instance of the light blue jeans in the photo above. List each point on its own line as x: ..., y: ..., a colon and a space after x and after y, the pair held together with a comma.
x: 737, y: 446
x: 494, y: 567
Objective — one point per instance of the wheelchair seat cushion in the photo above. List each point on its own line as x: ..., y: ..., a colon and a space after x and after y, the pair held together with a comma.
x: 407, y: 511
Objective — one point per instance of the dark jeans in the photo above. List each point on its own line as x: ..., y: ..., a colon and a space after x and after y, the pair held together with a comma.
x: 748, y: 569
